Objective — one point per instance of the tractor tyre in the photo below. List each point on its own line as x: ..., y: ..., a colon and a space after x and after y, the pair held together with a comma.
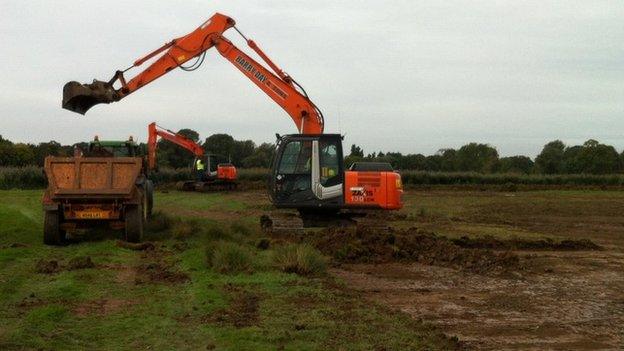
x: 52, y: 233
x: 134, y: 223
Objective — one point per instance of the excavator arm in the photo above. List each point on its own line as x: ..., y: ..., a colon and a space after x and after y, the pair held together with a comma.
x: 279, y: 86
x: 155, y: 131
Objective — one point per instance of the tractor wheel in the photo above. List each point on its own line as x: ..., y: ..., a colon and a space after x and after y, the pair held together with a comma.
x: 52, y: 233
x: 149, y: 190
x: 134, y: 223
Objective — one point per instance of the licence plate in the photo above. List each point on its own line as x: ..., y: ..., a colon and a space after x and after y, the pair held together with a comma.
x: 92, y: 214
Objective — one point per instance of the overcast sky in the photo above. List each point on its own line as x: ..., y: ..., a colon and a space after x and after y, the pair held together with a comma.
x: 410, y: 76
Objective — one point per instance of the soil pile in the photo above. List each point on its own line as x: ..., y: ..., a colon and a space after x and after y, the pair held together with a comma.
x: 135, y: 246
x: 381, y: 246
x: 80, y: 262
x: 157, y: 272
x: 489, y: 242
x: 47, y: 267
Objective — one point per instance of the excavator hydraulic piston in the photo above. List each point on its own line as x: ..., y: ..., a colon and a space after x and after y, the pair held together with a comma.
x: 80, y: 98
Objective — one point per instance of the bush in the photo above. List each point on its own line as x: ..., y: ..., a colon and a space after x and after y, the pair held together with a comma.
x: 228, y: 257
x: 507, y: 179
x: 32, y: 177
x: 301, y: 259
x: 29, y: 177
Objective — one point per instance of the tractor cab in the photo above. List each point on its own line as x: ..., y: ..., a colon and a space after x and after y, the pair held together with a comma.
x: 109, y: 148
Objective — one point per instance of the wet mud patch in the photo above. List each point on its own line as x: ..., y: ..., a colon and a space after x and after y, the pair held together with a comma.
x: 144, y: 246
x: 410, y: 245
x: 101, y: 307
x: 31, y: 301
x: 156, y: 266
x: 159, y: 272
x: 242, y: 311
x: 579, y: 308
x: 53, y: 266
x: 490, y: 242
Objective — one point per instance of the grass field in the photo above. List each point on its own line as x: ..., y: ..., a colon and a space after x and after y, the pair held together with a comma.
x: 211, y: 283
x: 170, y: 299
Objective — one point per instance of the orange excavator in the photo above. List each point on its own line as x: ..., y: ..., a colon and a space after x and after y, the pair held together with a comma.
x: 211, y: 176
x: 308, y: 169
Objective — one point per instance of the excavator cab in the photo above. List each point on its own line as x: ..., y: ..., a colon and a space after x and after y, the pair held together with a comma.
x: 308, y: 172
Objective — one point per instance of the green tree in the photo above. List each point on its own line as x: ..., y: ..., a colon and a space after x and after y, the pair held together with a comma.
x: 550, y: 160
x: 448, y: 160
x: 241, y: 149
x: 412, y: 161
x: 25, y: 154
x: 51, y: 148
x: 596, y: 158
x: 515, y: 164
x: 220, y: 144
x: 356, y: 151
x: 261, y: 157
x: 571, y: 160
x: 477, y: 157
x: 8, y: 156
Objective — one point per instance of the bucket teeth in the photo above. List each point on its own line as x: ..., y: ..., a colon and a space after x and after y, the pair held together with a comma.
x: 80, y: 98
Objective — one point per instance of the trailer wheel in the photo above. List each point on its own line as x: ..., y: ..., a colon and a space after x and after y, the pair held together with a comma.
x: 52, y: 233
x: 149, y: 190
x: 134, y: 223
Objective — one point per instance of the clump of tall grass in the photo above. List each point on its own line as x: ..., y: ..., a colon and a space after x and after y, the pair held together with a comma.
x: 228, y: 257
x: 301, y: 259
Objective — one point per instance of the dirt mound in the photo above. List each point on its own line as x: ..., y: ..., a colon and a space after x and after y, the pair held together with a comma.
x: 47, y: 267
x: 135, y: 246
x: 489, y: 242
x: 80, y: 262
x: 31, y: 301
x: 374, y: 246
x: 157, y: 272
x: 242, y: 311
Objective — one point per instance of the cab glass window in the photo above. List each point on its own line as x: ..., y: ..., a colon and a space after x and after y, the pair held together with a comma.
x: 296, y: 158
x: 329, y: 162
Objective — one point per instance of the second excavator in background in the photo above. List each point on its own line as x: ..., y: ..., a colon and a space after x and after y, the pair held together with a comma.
x: 308, y: 172
x: 213, y: 175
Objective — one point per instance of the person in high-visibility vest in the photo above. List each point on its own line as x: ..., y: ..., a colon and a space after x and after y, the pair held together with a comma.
x: 199, y: 168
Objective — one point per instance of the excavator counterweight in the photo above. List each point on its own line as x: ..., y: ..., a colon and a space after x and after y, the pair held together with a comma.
x: 80, y: 98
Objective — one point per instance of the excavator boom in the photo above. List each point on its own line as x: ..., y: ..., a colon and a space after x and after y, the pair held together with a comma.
x: 155, y: 131
x: 280, y: 87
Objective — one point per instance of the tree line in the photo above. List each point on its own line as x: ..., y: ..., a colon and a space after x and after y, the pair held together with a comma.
x: 555, y: 158
x: 591, y: 157
x: 242, y: 153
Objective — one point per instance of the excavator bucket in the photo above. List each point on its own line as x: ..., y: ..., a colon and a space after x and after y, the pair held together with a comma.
x: 80, y: 98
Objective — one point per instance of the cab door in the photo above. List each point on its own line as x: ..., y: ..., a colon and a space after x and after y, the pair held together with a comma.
x: 308, y: 172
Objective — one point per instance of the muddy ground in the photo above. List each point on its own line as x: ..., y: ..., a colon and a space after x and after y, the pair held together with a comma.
x: 577, y: 305
x: 535, y: 270
x: 565, y: 294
